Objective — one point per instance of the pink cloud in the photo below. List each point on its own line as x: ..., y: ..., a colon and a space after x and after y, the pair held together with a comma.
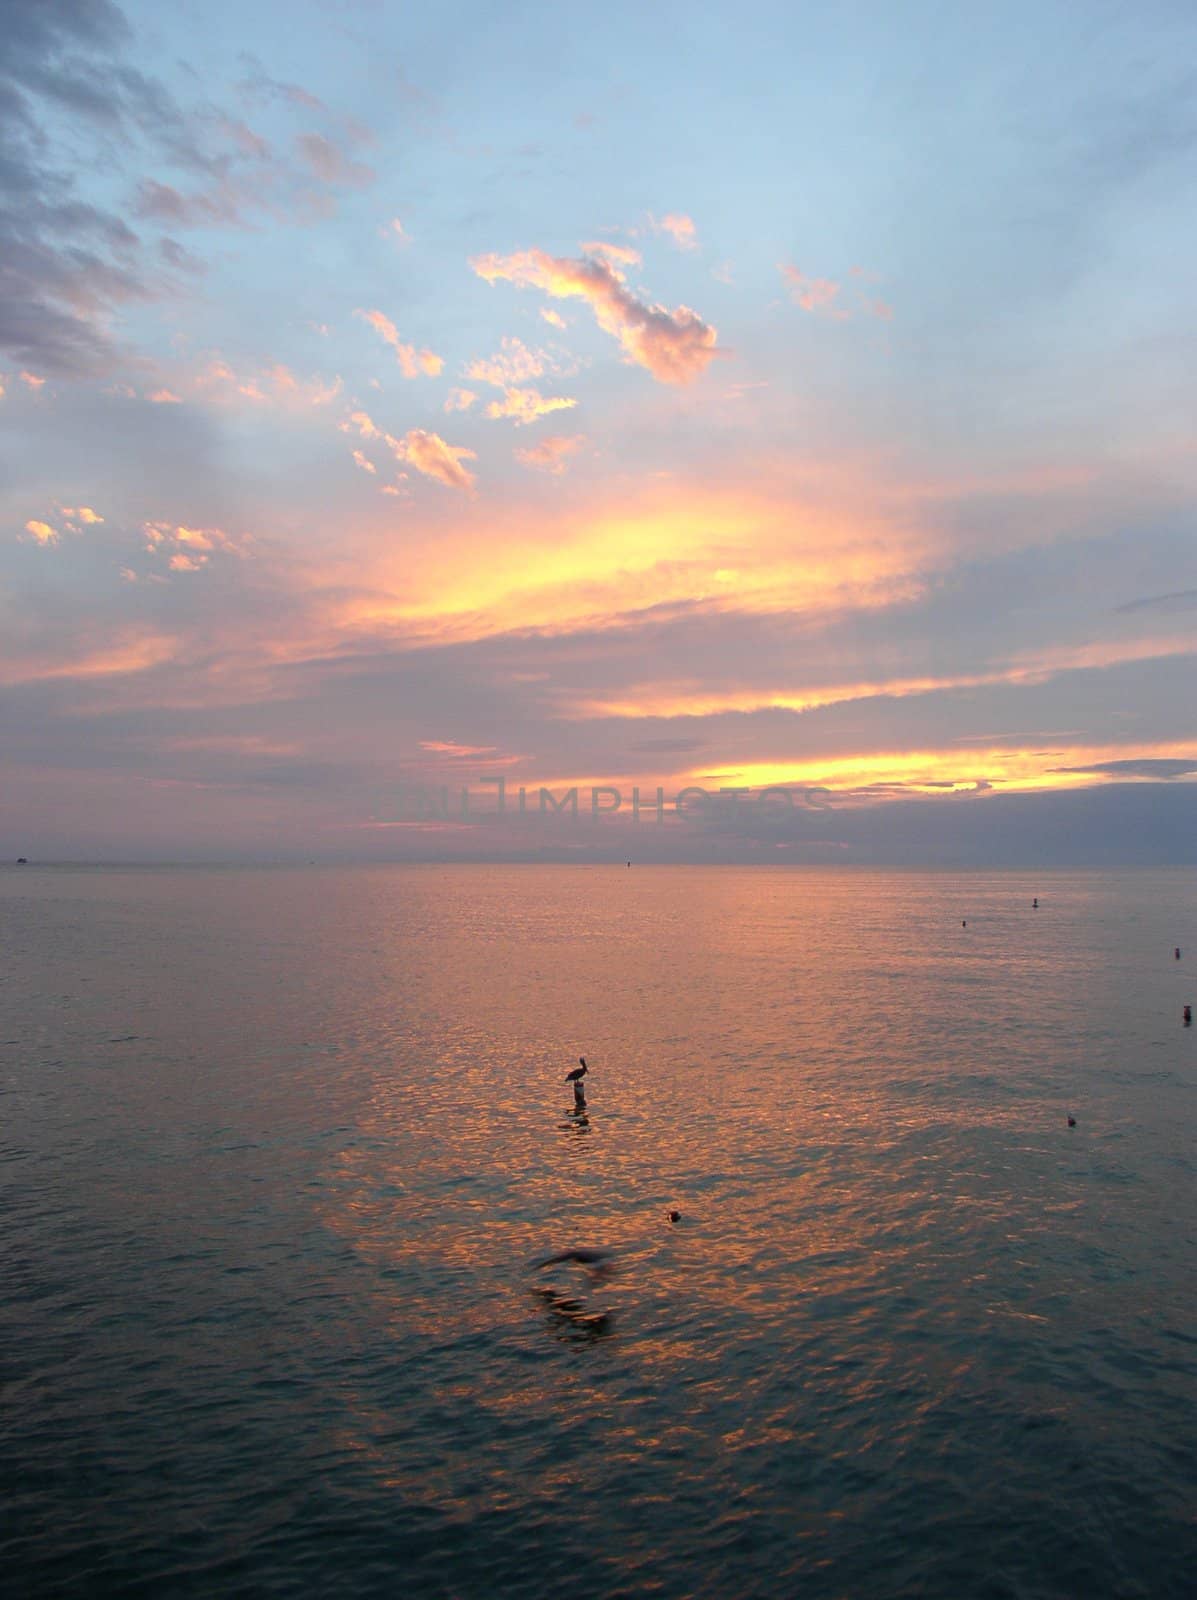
x: 364, y: 462
x: 552, y: 453
x: 332, y: 165
x: 813, y: 294
x: 429, y: 454
x: 164, y: 397
x: 515, y: 363
x: 675, y: 346
x: 679, y: 227
x: 32, y: 380
x: 412, y: 362
x: 460, y: 399
x: 42, y: 532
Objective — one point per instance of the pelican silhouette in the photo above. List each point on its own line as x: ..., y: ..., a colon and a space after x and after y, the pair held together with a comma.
x: 578, y: 1072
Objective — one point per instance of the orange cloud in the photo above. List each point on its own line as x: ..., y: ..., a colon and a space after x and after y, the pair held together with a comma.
x: 32, y: 380
x: 83, y: 514
x: 460, y: 399
x: 364, y: 424
x: 41, y: 531
x: 551, y: 454
x: 364, y: 462
x: 526, y: 405
x: 429, y: 454
x: 813, y: 294
x: 675, y: 346
x: 412, y: 362
x: 164, y: 397
x: 193, y: 547
x: 553, y: 318
x: 679, y: 227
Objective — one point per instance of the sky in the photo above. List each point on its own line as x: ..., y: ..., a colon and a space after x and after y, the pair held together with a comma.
x: 395, y: 399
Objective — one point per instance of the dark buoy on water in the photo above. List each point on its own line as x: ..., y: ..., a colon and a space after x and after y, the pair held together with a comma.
x: 1188, y: 1016
x: 22, y: 862
x: 1176, y: 953
x: 1035, y: 903
x: 964, y: 924
x: 1072, y: 1122
x: 675, y: 1216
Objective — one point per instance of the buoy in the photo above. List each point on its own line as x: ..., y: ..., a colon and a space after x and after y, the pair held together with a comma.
x: 1188, y: 1016
x: 1072, y: 1122
x: 675, y: 1216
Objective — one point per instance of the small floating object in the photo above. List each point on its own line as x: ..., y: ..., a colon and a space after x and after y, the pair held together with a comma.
x: 1035, y: 903
x: 1072, y: 1122
x: 964, y: 924
x: 1188, y: 1016
x: 1176, y: 953
x: 675, y: 1216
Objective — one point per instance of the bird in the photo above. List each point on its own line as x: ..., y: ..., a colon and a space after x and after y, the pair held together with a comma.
x: 578, y: 1072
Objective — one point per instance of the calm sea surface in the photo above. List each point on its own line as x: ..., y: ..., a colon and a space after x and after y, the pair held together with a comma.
x: 278, y: 1148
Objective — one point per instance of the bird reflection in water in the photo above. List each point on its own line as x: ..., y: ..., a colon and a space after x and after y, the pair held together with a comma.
x: 570, y: 1315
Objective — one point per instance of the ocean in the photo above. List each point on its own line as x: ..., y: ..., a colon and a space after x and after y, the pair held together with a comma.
x: 279, y: 1149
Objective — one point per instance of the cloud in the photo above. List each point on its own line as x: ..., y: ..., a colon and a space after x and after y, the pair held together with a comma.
x: 552, y: 453
x: 276, y: 385
x: 330, y: 164
x: 509, y: 371
x: 364, y: 462
x: 82, y: 514
x: 515, y: 363
x: 1157, y: 767
x: 72, y: 102
x: 675, y: 346
x: 187, y: 549
x: 1178, y: 600
x: 616, y: 255
x: 164, y: 397
x: 395, y: 230
x: 813, y: 294
x: 525, y: 406
x: 678, y: 226
x: 429, y: 454
x: 32, y: 381
x: 42, y: 532
x: 412, y: 362
x: 460, y: 399
x: 553, y: 318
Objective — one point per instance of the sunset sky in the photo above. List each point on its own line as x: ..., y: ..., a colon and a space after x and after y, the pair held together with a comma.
x: 398, y: 396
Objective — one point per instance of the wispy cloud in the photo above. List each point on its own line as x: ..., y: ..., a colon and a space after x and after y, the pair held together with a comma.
x: 330, y: 164
x: 1178, y: 600
x: 552, y: 453
x: 675, y: 346
x: 413, y: 363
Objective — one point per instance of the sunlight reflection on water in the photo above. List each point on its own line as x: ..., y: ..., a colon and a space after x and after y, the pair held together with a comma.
x: 910, y: 1334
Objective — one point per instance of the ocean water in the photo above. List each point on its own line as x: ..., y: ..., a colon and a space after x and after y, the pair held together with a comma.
x: 278, y: 1148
